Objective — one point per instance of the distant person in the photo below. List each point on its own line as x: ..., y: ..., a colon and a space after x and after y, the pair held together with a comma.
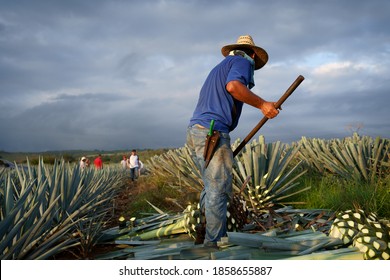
x: 83, y: 163
x: 134, y: 165
x: 124, y: 162
x: 141, y: 166
x: 98, y: 162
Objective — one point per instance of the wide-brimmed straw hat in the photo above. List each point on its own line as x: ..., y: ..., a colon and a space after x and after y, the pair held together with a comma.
x: 246, y: 41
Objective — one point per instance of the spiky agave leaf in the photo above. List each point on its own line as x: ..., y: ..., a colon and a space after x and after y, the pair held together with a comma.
x: 178, y: 164
x: 272, y: 170
x: 46, y: 205
x: 354, y: 157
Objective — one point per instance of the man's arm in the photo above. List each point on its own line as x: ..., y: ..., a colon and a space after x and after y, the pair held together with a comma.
x: 243, y: 94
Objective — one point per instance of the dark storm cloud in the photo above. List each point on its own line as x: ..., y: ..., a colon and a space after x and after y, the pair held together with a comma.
x: 124, y: 74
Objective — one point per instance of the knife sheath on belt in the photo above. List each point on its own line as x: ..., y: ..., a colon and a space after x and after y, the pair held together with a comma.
x: 211, y: 143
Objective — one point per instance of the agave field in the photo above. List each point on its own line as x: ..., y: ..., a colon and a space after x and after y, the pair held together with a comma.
x: 47, y: 210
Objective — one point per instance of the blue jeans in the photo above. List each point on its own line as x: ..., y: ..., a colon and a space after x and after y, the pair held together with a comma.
x: 217, y: 180
x: 133, y: 173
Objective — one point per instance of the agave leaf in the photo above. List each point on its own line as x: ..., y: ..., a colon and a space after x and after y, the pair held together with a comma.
x: 178, y: 227
x: 350, y: 253
x: 8, y: 220
x: 52, y: 251
x: 13, y: 232
x: 272, y: 170
x: 359, y: 158
x: 43, y: 225
x: 262, y: 241
x: 9, y: 195
x: 155, y: 208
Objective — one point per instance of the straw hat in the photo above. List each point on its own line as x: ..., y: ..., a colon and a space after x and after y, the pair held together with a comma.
x: 261, y: 56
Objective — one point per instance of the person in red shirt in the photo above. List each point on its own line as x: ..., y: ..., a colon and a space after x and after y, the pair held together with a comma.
x: 98, y: 162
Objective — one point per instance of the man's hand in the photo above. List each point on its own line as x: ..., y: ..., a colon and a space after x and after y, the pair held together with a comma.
x: 269, y: 110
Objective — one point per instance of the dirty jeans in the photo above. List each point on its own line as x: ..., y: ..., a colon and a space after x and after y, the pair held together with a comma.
x: 217, y: 180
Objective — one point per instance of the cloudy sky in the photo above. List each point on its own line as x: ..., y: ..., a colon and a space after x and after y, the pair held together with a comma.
x: 122, y: 74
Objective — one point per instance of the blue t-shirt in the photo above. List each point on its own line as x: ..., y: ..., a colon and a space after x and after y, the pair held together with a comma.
x: 215, y: 102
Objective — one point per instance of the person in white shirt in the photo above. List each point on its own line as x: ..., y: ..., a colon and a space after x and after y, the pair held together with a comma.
x: 134, y: 165
x: 140, y: 167
x: 83, y: 163
x: 124, y: 163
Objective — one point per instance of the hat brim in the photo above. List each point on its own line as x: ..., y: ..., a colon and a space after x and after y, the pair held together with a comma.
x: 261, y: 56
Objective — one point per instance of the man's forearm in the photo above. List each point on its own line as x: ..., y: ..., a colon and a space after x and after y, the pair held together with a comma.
x: 243, y: 94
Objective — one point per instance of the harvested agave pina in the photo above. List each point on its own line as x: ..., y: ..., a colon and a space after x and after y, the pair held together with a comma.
x: 371, y: 254
x: 346, y: 216
x: 342, y: 230
x: 379, y: 244
x: 377, y: 225
x: 357, y: 216
x: 379, y: 234
x: 360, y: 226
x: 360, y: 245
x: 373, y: 238
x: 351, y: 224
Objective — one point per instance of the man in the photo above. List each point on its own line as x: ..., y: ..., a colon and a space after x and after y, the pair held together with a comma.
x: 226, y: 89
x: 134, y: 165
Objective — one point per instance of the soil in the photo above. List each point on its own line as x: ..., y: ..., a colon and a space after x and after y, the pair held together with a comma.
x: 124, y: 198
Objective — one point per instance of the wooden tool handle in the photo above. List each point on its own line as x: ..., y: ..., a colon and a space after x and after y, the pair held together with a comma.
x: 278, y: 104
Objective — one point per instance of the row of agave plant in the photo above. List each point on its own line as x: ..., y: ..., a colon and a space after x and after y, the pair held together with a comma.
x: 46, y: 210
x: 356, y: 157
x: 273, y: 169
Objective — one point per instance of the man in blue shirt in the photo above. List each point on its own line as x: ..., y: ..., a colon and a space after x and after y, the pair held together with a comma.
x: 226, y: 89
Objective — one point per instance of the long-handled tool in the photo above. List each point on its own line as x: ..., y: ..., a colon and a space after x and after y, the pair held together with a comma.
x: 278, y: 104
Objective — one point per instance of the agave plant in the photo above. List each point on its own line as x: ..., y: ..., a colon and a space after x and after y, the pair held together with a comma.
x: 178, y: 163
x: 353, y: 157
x: 272, y: 171
x: 45, y: 210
